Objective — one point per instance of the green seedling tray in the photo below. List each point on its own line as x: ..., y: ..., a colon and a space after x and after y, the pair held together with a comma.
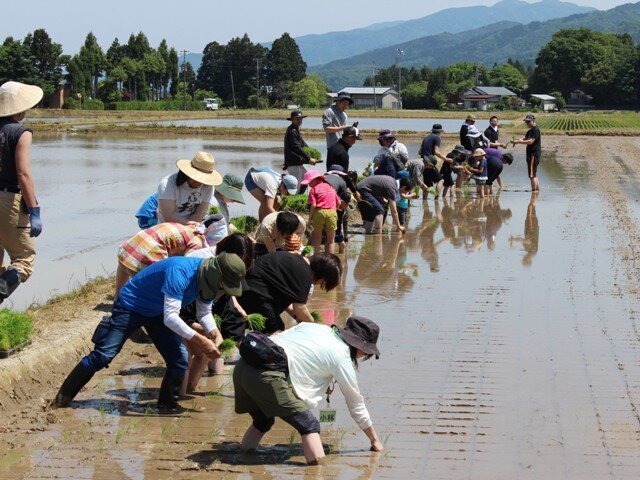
x: 13, y: 350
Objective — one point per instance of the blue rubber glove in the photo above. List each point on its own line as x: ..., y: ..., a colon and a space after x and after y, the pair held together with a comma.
x: 36, y: 221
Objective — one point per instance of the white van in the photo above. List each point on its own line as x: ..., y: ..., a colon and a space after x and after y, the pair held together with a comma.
x: 211, y: 104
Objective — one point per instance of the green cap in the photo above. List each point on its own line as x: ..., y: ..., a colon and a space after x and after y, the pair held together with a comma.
x: 226, y: 270
x: 231, y: 187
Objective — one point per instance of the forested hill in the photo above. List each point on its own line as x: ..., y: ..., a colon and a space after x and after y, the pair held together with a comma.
x: 323, y: 48
x: 494, y: 43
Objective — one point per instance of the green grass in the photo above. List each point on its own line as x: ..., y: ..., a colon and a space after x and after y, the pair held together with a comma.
x: 15, y: 328
x: 256, y: 322
x: 295, y: 203
x: 226, y: 347
x: 245, y: 223
x: 313, y: 152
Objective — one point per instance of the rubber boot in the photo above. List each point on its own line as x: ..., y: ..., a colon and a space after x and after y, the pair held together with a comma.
x: 9, y: 281
x: 170, y: 394
x: 77, y: 379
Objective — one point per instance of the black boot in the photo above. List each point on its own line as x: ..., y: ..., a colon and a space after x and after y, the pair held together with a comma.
x: 9, y: 281
x: 77, y: 379
x: 170, y: 394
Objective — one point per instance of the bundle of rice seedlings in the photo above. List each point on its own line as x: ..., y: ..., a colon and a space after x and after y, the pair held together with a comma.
x: 256, y: 321
x: 317, y: 316
x: 307, y: 251
x: 417, y: 190
x: 15, y: 328
x: 218, y: 321
x: 245, y: 223
x: 295, y: 203
x: 312, y: 152
x: 214, y: 209
x: 226, y: 348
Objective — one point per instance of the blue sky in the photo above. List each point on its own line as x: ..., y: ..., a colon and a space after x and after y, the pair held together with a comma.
x: 191, y: 24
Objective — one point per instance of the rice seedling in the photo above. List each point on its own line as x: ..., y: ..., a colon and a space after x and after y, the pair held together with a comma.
x: 313, y: 152
x: 218, y: 320
x: 213, y: 209
x: 226, y: 347
x: 15, y: 328
x: 256, y: 321
x: 317, y: 316
x: 245, y: 223
x: 307, y: 251
x: 295, y: 203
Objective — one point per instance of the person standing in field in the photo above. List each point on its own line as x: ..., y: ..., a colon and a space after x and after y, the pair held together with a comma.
x: 465, y: 141
x: 492, y: 132
x: 20, y: 218
x: 334, y: 119
x: 532, y: 140
x: 430, y: 153
x: 294, y: 155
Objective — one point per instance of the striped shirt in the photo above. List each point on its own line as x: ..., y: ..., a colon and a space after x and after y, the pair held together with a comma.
x: 157, y: 243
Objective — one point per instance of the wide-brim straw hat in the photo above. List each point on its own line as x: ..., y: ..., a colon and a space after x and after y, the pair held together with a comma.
x: 478, y: 152
x: 201, y: 169
x: 16, y: 97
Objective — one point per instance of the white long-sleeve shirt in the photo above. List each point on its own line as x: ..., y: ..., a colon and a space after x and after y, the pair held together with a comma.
x: 173, y: 321
x: 316, y: 356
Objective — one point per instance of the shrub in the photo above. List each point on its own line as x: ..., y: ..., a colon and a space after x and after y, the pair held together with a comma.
x: 244, y: 224
x: 15, y: 328
x: 295, y: 203
x: 313, y: 152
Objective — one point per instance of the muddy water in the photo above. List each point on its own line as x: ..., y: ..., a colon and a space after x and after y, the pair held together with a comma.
x: 507, y: 352
x: 90, y: 189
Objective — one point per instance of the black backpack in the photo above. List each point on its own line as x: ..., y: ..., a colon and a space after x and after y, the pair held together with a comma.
x: 261, y: 352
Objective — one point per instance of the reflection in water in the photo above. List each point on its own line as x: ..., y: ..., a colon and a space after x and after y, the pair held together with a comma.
x: 382, y: 264
x: 531, y: 232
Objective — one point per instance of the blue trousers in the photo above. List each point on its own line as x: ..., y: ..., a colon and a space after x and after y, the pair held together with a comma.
x: 112, y: 332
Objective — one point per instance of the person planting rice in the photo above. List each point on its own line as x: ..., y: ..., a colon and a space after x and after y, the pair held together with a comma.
x: 532, y: 140
x: 20, y: 218
x: 163, y: 241
x: 478, y: 170
x: 275, y: 228
x: 457, y: 157
x: 278, y: 282
x: 308, y: 359
x: 152, y: 299
x: 229, y: 191
x: 338, y: 153
x: 337, y: 177
x: 376, y: 191
x: 265, y: 185
x: 184, y: 197
x: 324, y: 203
x: 392, y: 156
x: 430, y: 152
x: 495, y: 165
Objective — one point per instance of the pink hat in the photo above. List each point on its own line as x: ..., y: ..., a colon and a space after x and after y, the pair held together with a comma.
x: 310, y: 176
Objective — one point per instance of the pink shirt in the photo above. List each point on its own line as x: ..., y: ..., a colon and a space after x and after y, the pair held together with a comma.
x: 324, y: 196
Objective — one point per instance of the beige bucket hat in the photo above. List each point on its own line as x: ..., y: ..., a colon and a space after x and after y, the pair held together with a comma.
x: 201, y: 169
x: 16, y: 97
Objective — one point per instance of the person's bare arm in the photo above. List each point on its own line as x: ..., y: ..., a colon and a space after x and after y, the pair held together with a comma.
x: 301, y: 313
x: 269, y: 244
x: 200, y: 213
x: 394, y: 215
x: 376, y: 444
x: 439, y: 154
x: 167, y: 209
x: 23, y: 169
x: 331, y: 129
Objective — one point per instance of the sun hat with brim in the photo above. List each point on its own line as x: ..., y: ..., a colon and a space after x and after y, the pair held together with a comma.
x: 226, y: 271
x: 473, y: 132
x: 362, y: 333
x: 437, y: 128
x: 296, y: 114
x: 231, y: 187
x: 471, y: 117
x: 478, y: 152
x: 460, y: 149
x: 16, y: 97
x: 344, y: 96
x: 201, y: 169
x: 290, y: 183
x: 337, y: 170
x: 386, y: 133
x: 310, y: 176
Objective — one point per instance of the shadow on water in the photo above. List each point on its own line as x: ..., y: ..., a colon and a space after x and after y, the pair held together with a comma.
x: 230, y: 453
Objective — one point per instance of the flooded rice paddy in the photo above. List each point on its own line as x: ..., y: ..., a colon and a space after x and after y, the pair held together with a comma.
x: 509, y: 339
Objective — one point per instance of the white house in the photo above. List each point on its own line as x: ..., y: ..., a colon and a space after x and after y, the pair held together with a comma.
x: 364, y: 97
x: 547, y: 102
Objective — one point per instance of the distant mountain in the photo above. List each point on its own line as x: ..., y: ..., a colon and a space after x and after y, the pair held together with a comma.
x: 195, y: 59
x: 326, y: 47
x: 490, y: 44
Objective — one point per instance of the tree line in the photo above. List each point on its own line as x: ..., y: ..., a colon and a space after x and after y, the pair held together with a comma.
x: 244, y: 74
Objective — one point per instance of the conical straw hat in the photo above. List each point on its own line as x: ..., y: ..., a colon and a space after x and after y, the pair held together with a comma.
x: 201, y: 169
x: 16, y: 97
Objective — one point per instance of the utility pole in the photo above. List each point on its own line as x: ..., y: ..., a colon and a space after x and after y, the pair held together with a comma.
x: 373, y: 71
x: 184, y: 79
x: 257, y: 84
x: 233, y: 90
x: 400, y: 53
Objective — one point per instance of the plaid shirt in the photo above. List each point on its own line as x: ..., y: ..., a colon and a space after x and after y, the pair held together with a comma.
x: 157, y: 243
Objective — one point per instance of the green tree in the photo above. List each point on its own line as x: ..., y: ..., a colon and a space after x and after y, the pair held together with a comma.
x: 284, y: 62
x: 310, y: 92
x: 93, y: 62
x: 414, y: 95
x: 46, y: 57
x: 560, y: 101
x: 16, y: 62
x: 507, y: 76
x: 173, y: 70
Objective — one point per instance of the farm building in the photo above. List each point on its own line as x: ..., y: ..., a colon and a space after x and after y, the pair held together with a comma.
x: 368, y: 97
x: 480, y: 98
x: 547, y: 102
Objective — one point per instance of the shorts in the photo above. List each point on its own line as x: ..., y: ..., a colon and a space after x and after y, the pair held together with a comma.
x: 431, y: 176
x: 402, y: 215
x: 533, y: 160
x: 446, y: 173
x: 264, y: 390
x: 370, y: 207
x: 248, y: 180
x: 481, y: 181
x: 324, y: 220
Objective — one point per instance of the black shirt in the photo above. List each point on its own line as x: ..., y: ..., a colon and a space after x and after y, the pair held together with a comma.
x: 294, y: 154
x: 465, y: 141
x: 491, y: 134
x: 338, y: 154
x: 429, y: 145
x: 280, y: 279
x: 10, y: 133
x: 536, y: 147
